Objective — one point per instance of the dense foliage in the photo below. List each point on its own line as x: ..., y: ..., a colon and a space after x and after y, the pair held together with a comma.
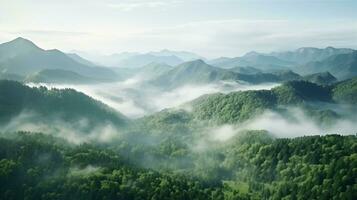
x: 173, y: 154
x: 53, y: 104
x: 240, y: 106
x: 252, y: 166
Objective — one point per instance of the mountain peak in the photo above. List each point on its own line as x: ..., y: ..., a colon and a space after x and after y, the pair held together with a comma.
x: 21, y: 42
x: 330, y: 47
x: 195, y: 62
x: 251, y: 53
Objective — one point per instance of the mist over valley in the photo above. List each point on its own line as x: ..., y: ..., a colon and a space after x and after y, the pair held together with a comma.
x: 178, y: 100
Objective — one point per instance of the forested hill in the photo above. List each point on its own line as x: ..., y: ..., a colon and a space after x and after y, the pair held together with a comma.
x: 252, y: 166
x: 53, y: 105
x: 240, y: 106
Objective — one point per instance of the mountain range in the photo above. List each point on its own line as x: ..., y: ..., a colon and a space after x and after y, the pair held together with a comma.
x: 209, y: 148
x: 252, y: 59
x: 309, y: 54
x: 340, y: 62
x: 23, y: 58
x: 137, y: 60
x: 198, y: 73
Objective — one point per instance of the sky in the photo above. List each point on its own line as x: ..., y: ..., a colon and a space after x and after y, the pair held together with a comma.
x: 211, y: 28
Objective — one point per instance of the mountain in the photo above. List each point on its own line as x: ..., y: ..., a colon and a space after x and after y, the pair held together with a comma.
x: 153, y: 70
x: 105, y: 60
x: 323, y: 78
x: 252, y: 59
x: 345, y: 91
x: 35, y: 105
x: 342, y: 66
x: 193, y: 72
x: 141, y: 60
x: 22, y: 57
x: 199, y: 72
x: 135, y: 59
x: 183, y: 55
x: 59, y: 76
x: 272, y: 77
x: 79, y: 59
x: 309, y: 54
x: 243, y: 105
x: 17, y: 47
x: 245, y: 70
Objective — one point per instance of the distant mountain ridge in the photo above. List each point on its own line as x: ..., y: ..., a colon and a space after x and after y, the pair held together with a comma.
x: 59, y: 76
x: 342, y: 66
x: 137, y: 60
x: 340, y: 62
x: 183, y: 55
x: 198, y: 72
x: 252, y: 59
x: 308, y: 54
x: 22, y: 57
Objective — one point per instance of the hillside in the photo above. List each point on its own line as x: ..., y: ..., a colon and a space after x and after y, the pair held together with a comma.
x: 342, y: 66
x: 323, y: 78
x: 198, y: 72
x: 310, y: 54
x: 240, y: 106
x: 79, y: 59
x: 140, y: 60
x: 346, y: 91
x: 250, y: 166
x: 185, y: 56
x: 153, y: 70
x: 49, y: 106
x: 252, y: 59
x: 193, y: 72
x: 59, y: 76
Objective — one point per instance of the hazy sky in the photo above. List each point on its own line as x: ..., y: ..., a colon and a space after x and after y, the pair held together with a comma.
x: 208, y: 27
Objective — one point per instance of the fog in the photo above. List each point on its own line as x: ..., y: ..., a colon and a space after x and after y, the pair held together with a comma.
x: 294, y: 122
x: 77, y: 171
x: 73, y: 132
x: 136, y: 98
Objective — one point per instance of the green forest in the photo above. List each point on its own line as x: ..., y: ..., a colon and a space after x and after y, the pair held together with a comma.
x: 170, y: 155
x: 176, y: 125
x: 251, y: 166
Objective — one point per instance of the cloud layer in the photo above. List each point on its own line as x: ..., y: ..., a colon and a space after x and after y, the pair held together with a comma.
x: 134, y: 98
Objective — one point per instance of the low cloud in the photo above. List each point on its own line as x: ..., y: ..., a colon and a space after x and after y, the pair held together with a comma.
x: 76, y: 171
x: 134, y: 98
x: 294, y: 123
x: 75, y: 132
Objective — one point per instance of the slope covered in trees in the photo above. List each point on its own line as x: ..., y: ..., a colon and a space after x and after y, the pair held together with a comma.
x: 250, y: 166
x: 50, y: 105
x: 240, y: 106
x: 59, y: 76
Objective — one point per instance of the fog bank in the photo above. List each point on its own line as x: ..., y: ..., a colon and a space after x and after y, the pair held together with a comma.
x: 134, y: 98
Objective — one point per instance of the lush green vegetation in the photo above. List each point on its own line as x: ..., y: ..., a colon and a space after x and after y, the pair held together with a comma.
x: 240, y: 106
x: 59, y: 76
x: 50, y: 105
x: 346, y: 91
x: 251, y: 166
x: 172, y: 154
x: 323, y: 78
